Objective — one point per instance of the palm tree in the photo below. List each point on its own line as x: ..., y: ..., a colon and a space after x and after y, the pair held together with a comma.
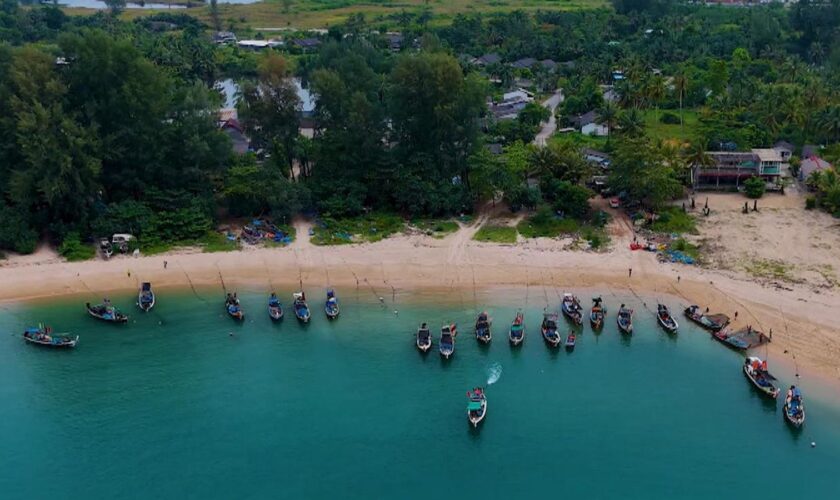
x: 697, y: 158
x: 608, y: 115
x: 829, y: 121
x: 631, y: 122
x: 680, y: 83
x: 655, y: 91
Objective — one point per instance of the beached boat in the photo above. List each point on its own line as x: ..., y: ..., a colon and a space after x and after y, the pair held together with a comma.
x: 794, y: 408
x: 571, y: 308
x: 482, y: 328
x: 625, y: 319
x: 597, y: 313
x: 729, y: 339
x: 571, y: 340
x: 517, y: 329
x: 663, y: 315
x: 476, y: 406
x: 331, y: 305
x: 146, y: 297
x: 45, y: 337
x: 275, y: 308
x: 447, y: 340
x: 424, y: 338
x: 714, y: 323
x: 549, y: 329
x: 300, y: 307
x: 106, y: 312
x: 232, y: 307
x: 756, y: 371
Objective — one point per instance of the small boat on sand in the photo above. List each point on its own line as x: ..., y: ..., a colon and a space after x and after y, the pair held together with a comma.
x: 713, y: 323
x: 106, y: 312
x: 482, y: 328
x: 232, y: 307
x: 331, y: 305
x: 756, y: 371
x: 597, y: 314
x: 275, y: 308
x: 45, y: 337
x: 571, y: 308
x: 549, y: 329
x: 625, y: 319
x: 794, y: 407
x: 517, y: 329
x: 476, y: 406
x: 424, y: 338
x: 300, y: 307
x: 663, y: 315
x: 447, y: 340
x: 146, y: 297
x: 570, y: 341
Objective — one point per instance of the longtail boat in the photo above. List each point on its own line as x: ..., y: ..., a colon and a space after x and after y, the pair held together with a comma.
x: 517, y: 329
x: 106, y: 312
x: 424, y: 338
x: 794, y: 408
x: 447, y: 340
x: 146, y: 297
x: 549, y: 329
x: 713, y: 323
x: 597, y: 313
x: 663, y: 315
x: 756, y: 371
x: 476, y: 406
x: 300, y: 307
x: 625, y: 319
x: 571, y: 308
x: 275, y: 308
x: 331, y: 305
x: 571, y: 340
x: 482, y: 328
x: 45, y: 337
x: 232, y: 307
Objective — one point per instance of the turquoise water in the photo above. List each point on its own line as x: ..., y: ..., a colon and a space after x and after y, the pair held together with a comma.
x: 171, y: 406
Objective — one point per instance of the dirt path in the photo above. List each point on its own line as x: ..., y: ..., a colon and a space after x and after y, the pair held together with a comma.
x: 550, y: 126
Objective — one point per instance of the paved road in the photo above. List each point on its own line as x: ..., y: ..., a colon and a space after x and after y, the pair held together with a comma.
x: 550, y: 126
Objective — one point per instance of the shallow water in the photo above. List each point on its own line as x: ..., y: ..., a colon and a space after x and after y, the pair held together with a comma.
x: 172, y: 406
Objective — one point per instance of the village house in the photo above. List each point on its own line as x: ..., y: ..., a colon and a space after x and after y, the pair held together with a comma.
x: 524, y: 63
x: 588, y: 124
x: 224, y: 37
x: 259, y: 44
x: 785, y: 149
x: 511, y: 104
x: 596, y: 158
x: 731, y: 168
x: 307, y: 44
x: 488, y: 59
x: 394, y: 40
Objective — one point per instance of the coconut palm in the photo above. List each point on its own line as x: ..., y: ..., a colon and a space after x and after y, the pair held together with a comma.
x: 680, y: 84
x: 631, y: 122
x: 697, y: 158
x: 608, y: 115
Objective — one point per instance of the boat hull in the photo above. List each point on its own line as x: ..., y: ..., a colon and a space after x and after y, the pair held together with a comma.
x: 117, y: 319
x: 275, y: 314
x: 424, y: 348
x: 668, y: 327
x: 771, y: 392
x: 552, y: 341
x: 475, y: 420
x: 63, y: 345
x: 792, y: 420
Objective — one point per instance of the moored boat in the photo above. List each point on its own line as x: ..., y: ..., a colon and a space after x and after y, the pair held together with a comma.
x: 424, y: 338
x: 331, y: 305
x: 625, y: 319
x: 729, y: 339
x: 45, y: 337
x: 794, y: 408
x: 106, y: 312
x: 232, y: 307
x: 549, y: 329
x: 482, y: 328
x: 517, y: 329
x: 663, y: 315
x: 146, y: 297
x: 275, y: 308
x: 476, y: 406
x: 756, y: 371
x: 713, y: 323
x: 571, y: 340
x: 597, y: 313
x: 571, y: 308
x: 447, y: 340
x: 300, y: 307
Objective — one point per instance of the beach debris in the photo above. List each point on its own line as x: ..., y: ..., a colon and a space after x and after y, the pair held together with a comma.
x: 260, y: 230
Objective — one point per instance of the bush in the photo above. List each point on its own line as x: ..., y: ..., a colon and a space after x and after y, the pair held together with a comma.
x: 674, y: 220
x: 15, y: 233
x: 669, y: 119
x: 810, y: 203
x: 754, y: 187
x: 570, y: 199
x: 545, y: 224
x: 496, y: 234
x: 74, y: 250
x: 368, y: 228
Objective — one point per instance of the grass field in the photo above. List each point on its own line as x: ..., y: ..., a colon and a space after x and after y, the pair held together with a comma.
x: 386, y: 14
x: 657, y: 130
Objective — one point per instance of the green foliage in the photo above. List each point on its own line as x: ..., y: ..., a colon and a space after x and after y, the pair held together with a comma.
x: 569, y: 199
x: 496, y: 234
x: 810, y: 203
x: 252, y: 189
x: 672, y: 220
x: 74, y: 250
x: 685, y: 247
x: 638, y: 169
x: 754, y: 187
x: 669, y: 119
x: 437, y: 228
x: 364, y: 229
x: 15, y: 232
x: 546, y: 224
x: 216, y: 242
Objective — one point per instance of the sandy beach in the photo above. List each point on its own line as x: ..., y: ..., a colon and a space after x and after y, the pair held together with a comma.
x: 799, y: 306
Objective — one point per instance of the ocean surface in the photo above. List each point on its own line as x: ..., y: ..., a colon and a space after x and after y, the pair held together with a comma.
x: 172, y: 406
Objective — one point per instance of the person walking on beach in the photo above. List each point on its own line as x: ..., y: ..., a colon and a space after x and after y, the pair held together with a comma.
x: 678, y: 279
x: 736, y: 314
x: 165, y: 264
x: 630, y: 273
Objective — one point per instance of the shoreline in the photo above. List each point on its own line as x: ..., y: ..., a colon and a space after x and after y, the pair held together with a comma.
x: 801, y: 320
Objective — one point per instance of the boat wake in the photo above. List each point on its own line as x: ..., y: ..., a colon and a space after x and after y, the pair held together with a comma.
x: 494, y: 372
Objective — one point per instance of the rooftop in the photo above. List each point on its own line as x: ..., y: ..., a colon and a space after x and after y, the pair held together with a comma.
x: 768, y: 155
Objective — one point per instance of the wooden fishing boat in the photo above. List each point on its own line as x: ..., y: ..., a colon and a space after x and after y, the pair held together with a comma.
x: 549, y: 329
x: 45, y: 337
x: 597, y: 314
x: 232, y: 307
x: 571, y: 340
x: 756, y: 371
x: 476, y: 406
x: 300, y: 307
x: 331, y: 305
x: 713, y: 323
x: 571, y: 308
x: 663, y: 315
x: 794, y: 407
x: 482, y: 328
x: 424, y: 338
x: 106, y: 312
x: 447, y: 340
x: 146, y: 297
x: 625, y: 319
x: 729, y: 339
x: 275, y: 308
x: 517, y: 329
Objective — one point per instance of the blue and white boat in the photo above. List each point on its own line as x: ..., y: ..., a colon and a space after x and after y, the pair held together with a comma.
x: 301, y: 309
x: 275, y: 309
x: 331, y: 305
